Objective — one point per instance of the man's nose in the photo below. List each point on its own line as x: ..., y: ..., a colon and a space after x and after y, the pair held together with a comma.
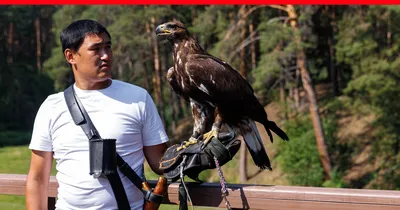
x: 105, y: 54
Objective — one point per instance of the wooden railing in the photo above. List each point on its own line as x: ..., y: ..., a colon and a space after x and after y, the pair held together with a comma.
x: 252, y: 196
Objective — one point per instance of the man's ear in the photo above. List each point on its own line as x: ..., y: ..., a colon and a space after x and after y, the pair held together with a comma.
x: 69, y: 56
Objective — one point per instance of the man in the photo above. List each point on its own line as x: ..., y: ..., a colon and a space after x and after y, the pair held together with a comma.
x: 118, y: 110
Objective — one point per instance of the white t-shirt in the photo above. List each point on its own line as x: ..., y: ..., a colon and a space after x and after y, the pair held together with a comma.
x: 121, y: 111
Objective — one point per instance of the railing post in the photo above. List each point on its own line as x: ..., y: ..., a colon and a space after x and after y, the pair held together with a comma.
x: 51, y: 203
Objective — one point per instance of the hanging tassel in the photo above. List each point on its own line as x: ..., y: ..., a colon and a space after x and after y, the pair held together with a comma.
x: 222, y: 181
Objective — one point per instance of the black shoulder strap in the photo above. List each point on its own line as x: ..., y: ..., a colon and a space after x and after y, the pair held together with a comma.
x: 81, y: 118
x: 79, y: 114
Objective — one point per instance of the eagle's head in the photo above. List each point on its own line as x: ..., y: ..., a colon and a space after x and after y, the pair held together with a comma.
x: 172, y: 30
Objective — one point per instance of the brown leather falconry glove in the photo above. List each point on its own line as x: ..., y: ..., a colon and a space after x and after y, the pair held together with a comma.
x: 198, y: 157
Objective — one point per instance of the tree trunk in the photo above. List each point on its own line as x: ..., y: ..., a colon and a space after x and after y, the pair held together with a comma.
x: 231, y: 16
x: 243, y: 163
x: 120, y: 70
x: 292, y: 105
x: 157, y: 72
x: 282, y: 78
x: 38, y: 45
x: 282, y: 87
x: 282, y: 93
x: 389, y: 31
x: 331, y: 44
x: 307, y: 84
x: 296, y: 92
x: 242, y: 67
x: 164, y: 69
x: 185, y: 109
x: 174, y: 111
x: 314, y: 112
x: 120, y: 75
x: 252, y: 47
x: 10, y: 40
x: 148, y: 80
x: 308, y: 87
x: 332, y: 68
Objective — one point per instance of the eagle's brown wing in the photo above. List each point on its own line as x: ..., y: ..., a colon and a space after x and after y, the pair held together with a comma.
x: 217, y: 79
x: 234, y: 98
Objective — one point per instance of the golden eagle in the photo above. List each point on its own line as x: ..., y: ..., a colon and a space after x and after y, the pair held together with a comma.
x: 217, y: 93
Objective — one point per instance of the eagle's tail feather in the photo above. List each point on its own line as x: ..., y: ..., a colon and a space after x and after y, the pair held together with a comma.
x: 256, y: 148
x: 270, y: 135
x: 260, y: 115
x: 270, y: 125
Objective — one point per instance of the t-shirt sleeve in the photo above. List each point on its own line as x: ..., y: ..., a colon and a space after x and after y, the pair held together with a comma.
x: 41, y: 138
x: 153, y: 129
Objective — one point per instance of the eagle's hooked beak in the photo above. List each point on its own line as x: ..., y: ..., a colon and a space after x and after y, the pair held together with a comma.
x: 162, y: 30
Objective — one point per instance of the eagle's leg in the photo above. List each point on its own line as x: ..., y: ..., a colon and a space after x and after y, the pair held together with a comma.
x: 215, y: 130
x: 202, y: 116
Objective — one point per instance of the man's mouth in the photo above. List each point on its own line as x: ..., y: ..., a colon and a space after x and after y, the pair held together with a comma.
x: 104, y: 66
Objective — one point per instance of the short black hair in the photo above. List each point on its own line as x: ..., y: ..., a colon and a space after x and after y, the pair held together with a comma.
x: 73, y: 35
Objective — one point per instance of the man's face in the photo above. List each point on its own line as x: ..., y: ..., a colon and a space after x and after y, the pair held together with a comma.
x: 93, y: 60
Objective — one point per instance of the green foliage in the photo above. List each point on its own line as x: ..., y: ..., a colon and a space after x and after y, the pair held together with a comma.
x: 299, y: 158
x: 22, y: 87
x: 58, y: 70
x: 375, y: 77
x: 278, y: 50
x: 336, y: 180
x: 21, y: 96
x: 13, y: 138
x: 211, y: 25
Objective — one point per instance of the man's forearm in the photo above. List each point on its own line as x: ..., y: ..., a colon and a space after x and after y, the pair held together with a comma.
x: 153, y: 155
x: 157, y: 170
x: 36, y: 194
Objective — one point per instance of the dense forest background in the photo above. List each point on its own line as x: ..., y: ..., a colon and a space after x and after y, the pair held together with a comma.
x: 331, y: 73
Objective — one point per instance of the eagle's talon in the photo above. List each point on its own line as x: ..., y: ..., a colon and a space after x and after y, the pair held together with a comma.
x: 180, y: 148
x: 185, y: 144
x: 192, y: 141
x: 209, y: 136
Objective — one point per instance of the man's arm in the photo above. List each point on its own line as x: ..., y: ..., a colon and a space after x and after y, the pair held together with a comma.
x: 37, y: 181
x: 153, y: 156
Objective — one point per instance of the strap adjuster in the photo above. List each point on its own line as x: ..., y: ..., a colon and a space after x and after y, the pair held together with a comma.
x: 154, y: 198
x: 93, y: 134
